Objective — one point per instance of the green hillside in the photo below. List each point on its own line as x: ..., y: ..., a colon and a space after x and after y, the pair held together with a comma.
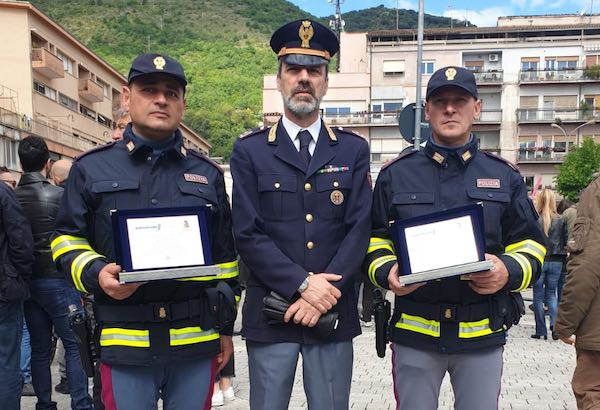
x: 383, y: 18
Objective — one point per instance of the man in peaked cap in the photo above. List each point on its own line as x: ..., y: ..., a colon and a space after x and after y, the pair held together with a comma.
x: 161, y: 339
x: 301, y: 201
x: 455, y: 325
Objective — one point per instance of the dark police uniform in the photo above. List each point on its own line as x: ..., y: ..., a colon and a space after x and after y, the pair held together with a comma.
x: 290, y: 220
x: 447, y: 316
x: 162, y: 323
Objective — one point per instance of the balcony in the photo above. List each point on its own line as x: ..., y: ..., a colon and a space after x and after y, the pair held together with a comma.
x: 525, y: 115
x: 489, y: 116
x: 541, y: 155
x: 558, y: 76
x: 46, y: 63
x: 491, y: 77
x: 90, y: 90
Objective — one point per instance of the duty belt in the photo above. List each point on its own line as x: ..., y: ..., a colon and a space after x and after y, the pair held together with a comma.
x: 444, y: 312
x: 151, y: 312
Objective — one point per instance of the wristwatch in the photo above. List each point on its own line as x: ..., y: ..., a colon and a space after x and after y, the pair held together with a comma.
x: 303, y: 286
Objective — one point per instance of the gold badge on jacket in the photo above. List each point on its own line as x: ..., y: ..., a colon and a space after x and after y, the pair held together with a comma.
x: 337, y: 197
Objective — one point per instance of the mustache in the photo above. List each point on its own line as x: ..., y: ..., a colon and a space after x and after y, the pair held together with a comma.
x: 303, y: 89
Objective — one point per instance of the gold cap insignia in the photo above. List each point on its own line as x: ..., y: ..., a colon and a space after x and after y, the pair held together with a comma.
x: 306, y: 32
x: 450, y: 73
x: 159, y: 63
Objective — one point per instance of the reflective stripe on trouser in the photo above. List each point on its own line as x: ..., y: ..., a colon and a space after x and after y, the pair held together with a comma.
x: 181, y: 385
x: 67, y: 243
x: 228, y: 270
x: 466, y: 330
x: 418, y: 375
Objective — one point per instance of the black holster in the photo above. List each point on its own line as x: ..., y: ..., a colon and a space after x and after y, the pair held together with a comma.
x: 506, y: 310
x: 85, y: 339
x: 381, y: 313
x: 221, y: 305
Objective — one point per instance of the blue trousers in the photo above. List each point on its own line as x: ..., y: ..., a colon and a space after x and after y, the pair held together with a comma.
x: 545, y: 290
x: 26, y: 355
x: 181, y: 386
x: 11, y: 327
x: 47, y: 309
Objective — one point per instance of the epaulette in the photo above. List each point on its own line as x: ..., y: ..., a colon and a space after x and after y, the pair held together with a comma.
x: 503, y: 160
x: 403, y: 154
x: 95, y: 149
x: 205, y: 158
x: 349, y: 132
x: 253, y: 132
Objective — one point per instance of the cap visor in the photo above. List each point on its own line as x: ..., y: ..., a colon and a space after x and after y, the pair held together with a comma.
x: 303, y: 59
x: 133, y: 77
x: 438, y: 89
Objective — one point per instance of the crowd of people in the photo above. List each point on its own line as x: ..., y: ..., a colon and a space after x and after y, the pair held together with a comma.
x: 308, y: 225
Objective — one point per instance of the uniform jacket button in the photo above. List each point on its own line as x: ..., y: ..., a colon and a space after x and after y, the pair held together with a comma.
x: 115, y: 184
x: 307, y: 186
x: 154, y: 201
x: 310, y: 244
x: 309, y: 218
x: 277, y: 185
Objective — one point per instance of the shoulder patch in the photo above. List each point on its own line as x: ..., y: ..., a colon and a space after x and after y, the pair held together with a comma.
x: 503, y: 160
x: 207, y: 159
x: 348, y: 132
x: 255, y: 131
x: 95, y: 149
x: 406, y: 152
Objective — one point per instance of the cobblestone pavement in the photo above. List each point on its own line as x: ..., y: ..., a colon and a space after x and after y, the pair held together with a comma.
x: 536, y: 376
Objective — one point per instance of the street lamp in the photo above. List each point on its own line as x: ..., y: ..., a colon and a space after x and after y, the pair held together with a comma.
x: 557, y: 124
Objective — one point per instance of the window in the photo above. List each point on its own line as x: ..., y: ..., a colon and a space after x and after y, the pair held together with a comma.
x: 67, y: 62
x: 105, y: 121
x: 44, y: 90
x: 8, y: 153
x: 393, y: 68
x: 105, y: 87
x: 392, y: 106
x: 529, y: 64
x: 567, y: 65
x: 88, y: 112
x: 67, y: 102
x: 427, y: 67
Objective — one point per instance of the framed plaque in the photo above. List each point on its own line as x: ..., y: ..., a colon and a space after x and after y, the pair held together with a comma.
x: 441, y: 244
x: 162, y: 243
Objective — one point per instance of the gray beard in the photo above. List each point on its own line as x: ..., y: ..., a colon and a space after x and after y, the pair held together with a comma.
x: 302, y: 108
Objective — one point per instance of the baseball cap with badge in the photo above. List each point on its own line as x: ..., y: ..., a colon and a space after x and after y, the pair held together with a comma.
x: 452, y: 77
x: 145, y: 64
x: 304, y: 42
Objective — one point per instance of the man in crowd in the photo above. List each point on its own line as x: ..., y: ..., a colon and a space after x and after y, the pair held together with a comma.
x: 158, y: 339
x: 51, y: 295
x: 453, y: 325
x: 122, y: 118
x: 7, y: 177
x: 60, y: 172
x: 16, y: 251
x: 577, y: 320
x: 301, y: 202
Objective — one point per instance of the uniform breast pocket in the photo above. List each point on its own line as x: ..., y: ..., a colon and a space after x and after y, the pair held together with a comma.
x: 116, y: 194
x: 494, y: 205
x: 194, y: 194
x: 333, y: 190
x: 409, y: 204
x: 278, y: 196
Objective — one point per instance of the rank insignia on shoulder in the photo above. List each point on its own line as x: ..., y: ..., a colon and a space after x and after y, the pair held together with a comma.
x: 488, y: 183
x: 331, y: 168
x: 200, y: 179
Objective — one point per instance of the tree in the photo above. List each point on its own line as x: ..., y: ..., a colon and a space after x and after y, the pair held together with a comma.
x: 576, y: 171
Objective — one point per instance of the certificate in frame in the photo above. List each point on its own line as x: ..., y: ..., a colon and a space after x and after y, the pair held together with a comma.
x: 441, y: 244
x: 162, y: 243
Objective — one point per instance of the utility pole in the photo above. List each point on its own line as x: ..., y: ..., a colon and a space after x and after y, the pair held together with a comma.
x: 397, y: 11
x: 337, y: 25
x: 418, y: 107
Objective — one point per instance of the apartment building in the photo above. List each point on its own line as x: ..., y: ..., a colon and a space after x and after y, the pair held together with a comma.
x: 52, y: 86
x: 538, y: 78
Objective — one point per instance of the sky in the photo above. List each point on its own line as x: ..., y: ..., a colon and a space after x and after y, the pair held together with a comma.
x: 480, y: 13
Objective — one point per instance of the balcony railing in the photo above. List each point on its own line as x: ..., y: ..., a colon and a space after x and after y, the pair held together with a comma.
x: 550, y: 114
x: 490, y: 116
x: 489, y: 77
x: 90, y: 90
x: 541, y: 154
x: 550, y: 75
x: 46, y: 63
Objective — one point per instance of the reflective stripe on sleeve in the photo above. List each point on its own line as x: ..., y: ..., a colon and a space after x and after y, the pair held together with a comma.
x: 79, y: 263
x: 525, y: 268
x: 469, y: 330
x: 528, y: 246
x: 67, y: 243
x: 376, y: 264
x: 229, y: 270
x: 115, y: 336
x: 419, y: 325
x: 191, y: 335
x: 380, y: 243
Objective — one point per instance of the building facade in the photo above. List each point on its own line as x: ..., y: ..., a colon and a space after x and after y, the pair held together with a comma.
x: 52, y: 86
x: 538, y: 79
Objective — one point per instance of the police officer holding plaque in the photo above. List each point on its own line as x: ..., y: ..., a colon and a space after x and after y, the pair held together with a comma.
x: 301, y: 205
x: 156, y: 338
x: 457, y: 324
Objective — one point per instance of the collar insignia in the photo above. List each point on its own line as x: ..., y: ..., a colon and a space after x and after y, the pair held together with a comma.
x: 159, y: 63
x: 466, y: 156
x: 199, y: 179
x: 305, y: 33
x: 273, y: 133
x: 439, y: 158
x: 130, y: 146
x: 450, y: 73
x: 488, y: 183
x: 183, y: 151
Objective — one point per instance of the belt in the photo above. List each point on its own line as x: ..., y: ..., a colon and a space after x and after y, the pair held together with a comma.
x: 151, y: 312
x: 444, y: 312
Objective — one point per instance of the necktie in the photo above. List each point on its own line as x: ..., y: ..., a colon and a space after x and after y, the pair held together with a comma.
x: 305, y: 138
